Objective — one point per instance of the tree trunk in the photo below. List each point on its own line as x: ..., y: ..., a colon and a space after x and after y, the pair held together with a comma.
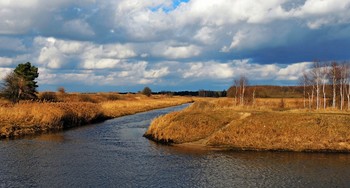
x: 304, y: 94
x: 341, y: 95
x: 309, y: 97
x: 254, y: 97
x: 236, y: 96
x: 349, y: 96
x: 312, y: 96
x: 324, y: 95
x: 317, y: 93
x: 334, y: 87
x: 243, y: 91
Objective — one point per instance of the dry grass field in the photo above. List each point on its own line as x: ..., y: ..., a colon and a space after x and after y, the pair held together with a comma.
x: 27, y: 118
x: 266, y: 126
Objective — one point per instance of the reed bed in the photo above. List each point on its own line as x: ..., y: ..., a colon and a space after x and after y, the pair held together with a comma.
x: 28, y: 118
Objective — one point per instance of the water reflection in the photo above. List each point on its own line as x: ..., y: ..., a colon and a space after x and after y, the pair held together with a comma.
x: 114, y: 154
x: 52, y: 138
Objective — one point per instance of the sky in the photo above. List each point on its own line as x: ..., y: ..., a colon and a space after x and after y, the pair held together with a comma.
x: 125, y: 45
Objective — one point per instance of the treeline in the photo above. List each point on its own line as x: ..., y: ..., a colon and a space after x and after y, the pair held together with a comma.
x: 266, y: 91
x: 327, y: 84
x: 200, y: 93
x: 261, y: 91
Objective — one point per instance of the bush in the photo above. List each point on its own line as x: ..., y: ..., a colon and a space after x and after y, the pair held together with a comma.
x: 61, y: 90
x: 147, y: 91
x: 48, y: 97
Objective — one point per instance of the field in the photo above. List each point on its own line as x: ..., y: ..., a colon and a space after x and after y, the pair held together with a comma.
x: 272, y: 124
x: 62, y: 110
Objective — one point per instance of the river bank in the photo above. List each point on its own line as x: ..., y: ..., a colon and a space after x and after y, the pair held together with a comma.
x: 32, y: 118
x: 219, y: 125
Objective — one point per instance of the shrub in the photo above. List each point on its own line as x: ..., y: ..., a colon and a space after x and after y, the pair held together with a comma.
x: 147, y: 91
x: 48, y: 97
x: 61, y: 90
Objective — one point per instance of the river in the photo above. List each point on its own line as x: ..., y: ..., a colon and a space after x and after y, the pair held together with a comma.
x: 114, y: 154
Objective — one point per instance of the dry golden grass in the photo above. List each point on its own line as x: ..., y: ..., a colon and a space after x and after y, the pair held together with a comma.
x: 219, y: 123
x: 195, y: 123
x: 27, y: 118
x: 140, y: 104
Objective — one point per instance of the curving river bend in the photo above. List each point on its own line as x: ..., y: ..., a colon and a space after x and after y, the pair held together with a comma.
x: 114, y: 154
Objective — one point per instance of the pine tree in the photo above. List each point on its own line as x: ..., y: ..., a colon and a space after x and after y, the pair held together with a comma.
x: 20, y: 84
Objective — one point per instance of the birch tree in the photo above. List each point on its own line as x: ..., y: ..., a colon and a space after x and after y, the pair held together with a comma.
x: 316, y: 76
x: 241, y: 85
x: 333, y: 77
x: 304, y: 82
x: 343, y: 84
x: 324, y: 73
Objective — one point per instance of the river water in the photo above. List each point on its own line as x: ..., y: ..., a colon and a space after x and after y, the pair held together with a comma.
x: 114, y: 154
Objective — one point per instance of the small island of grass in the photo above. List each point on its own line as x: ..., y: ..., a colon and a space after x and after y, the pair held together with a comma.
x: 263, y: 127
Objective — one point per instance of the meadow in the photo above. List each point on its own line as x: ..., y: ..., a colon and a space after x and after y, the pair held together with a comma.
x: 58, y: 111
x: 268, y: 125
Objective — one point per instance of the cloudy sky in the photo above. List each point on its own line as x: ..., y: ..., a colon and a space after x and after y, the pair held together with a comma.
x: 124, y: 45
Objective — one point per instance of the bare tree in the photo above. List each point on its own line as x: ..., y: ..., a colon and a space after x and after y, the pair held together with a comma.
x: 236, y: 94
x: 324, y: 74
x: 343, y: 83
x: 348, y: 80
x: 240, y: 85
x: 316, y: 76
x: 333, y: 75
x: 303, y: 80
x: 243, y: 81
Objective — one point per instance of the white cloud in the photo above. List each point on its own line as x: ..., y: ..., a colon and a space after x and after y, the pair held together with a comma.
x: 4, y: 72
x: 322, y: 7
x: 294, y: 71
x: 208, y: 70
x: 236, y: 41
x: 253, y: 71
x: 5, y: 61
x: 56, y: 53
x: 100, y: 64
x: 180, y: 52
x: 156, y: 73
x: 206, y: 35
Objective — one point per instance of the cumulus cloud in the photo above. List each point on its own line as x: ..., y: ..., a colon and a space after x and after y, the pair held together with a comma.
x: 208, y: 70
x: 294, y: 71
x: 236, y: 68
x: 56, y: 53
x: 5, y: 61
x: 4, y: 72
x: 179, y: 52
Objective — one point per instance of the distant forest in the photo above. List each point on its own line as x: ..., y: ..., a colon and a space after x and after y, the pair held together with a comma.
x: 260, y: 92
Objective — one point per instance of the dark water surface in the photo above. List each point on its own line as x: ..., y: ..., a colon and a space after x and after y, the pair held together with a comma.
x: 114, y: 154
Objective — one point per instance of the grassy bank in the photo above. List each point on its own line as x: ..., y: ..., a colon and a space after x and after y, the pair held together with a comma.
x: 28, y: 118
x: 219, y: 124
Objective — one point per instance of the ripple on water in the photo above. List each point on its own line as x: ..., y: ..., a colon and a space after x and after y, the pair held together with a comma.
x: 114, y: 154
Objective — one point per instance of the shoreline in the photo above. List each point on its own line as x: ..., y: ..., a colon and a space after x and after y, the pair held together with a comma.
x: 67, y: 118
x: 238, y: 149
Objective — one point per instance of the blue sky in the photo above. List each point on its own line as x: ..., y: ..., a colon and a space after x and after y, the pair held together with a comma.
x: 125, y: 45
